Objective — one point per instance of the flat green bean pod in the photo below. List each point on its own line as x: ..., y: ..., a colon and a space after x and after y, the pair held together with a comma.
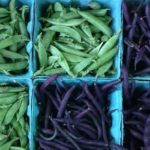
x: 103, y: 27
x: 103, y: 59
x: 66, y: 30
x: 12, y: 40
x: 73, y: 22
x: 67, y: 49
x: 14, y: 66
x: 11, y: 55
x: 109, y: 44
x: 104, y: 69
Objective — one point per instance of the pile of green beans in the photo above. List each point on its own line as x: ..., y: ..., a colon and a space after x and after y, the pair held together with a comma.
x: 77, y: 42
x: 13, y: 119
x: 13, y: 39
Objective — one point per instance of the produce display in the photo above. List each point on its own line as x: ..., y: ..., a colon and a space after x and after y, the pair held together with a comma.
x: 13, y: 120
x: 76, y: 42
x: 13, y: 39
x: 75, y: 117
x: 77, y: 72
x: 137, y: 38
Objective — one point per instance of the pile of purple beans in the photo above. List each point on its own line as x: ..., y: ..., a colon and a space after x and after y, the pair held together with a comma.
x: 136, y: 115
x: 74, y: 117
x: 137, y: 37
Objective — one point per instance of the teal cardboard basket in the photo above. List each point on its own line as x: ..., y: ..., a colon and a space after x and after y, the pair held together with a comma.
x: 115, y: 104
x: 115, y: 7
x: 29, y: 45
x: 28, y: 84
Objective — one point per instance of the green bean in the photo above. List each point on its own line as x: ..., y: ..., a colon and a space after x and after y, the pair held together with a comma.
x: 82, y: 65
x: 103, y: 59
x: 104, y: 38
x: 3, y: 141
x: 96, y: 50
x: 23, y: 107
x: 77, y: 46
x: 58, y: 7
x: 6, y: 94
x: 12, y: 7
x: 11, y: 112
x: 16, y: 148
x: 11, y: 89
x: 94, y: 5
x: 72, y: 58
x: 103, y: 27
x: 47, y: 38
x: 69, y: 50
x: 73, y: 22
x: 8, y: 100
x: 7, y: 145
x: 99, y: 12
x: 3, y: 114
x: 12, y: 55
x: 24, y: 10
x: 22, y: 26
x: 14, y: 66
x: 109, y: 44
x: 71, y: 15
x: 3, y: 136
x: 86, y: 38
x: 63, y: 63
x: 12, y: 40
x: 104, y: 69
x: 4, y: 106
x: 2, y: 60
x: 86, y: 29
x: 3, y: 12
x: 94, y: 29
x: 23, y: 138
x: 68, y: 31
x: 5, y: 20
x: 13, y: 133
x: 43, y: 59
x: 52, y: 60
x: 22, y: 122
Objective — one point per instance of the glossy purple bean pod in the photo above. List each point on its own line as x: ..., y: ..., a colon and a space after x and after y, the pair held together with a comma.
x: 65, y: 135
x: 126, y: 13
x: 147, y: 134
x: 147, y: 12
x: 64, y: 102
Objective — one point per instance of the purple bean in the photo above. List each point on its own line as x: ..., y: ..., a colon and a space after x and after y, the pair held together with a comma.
x: 99, y: 94
x: 126, y: 13
x: 47, y: 114
x: 64, y: 102
x: 97, y: 124
x: 140, y: 116
x: 65, y: 135
x: 110, y: 85
x: 144, y: 71
x: 91, y: 142
x: 89, y: 133
x: 126, y: 84
x: 147, y: 134
x: 136, y: 135
x: 130, y: 36
x: 48, y: 81
x: 54, y: 102
x: 82, y: 114
x: 147, y: 12
x: 139, y: 57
